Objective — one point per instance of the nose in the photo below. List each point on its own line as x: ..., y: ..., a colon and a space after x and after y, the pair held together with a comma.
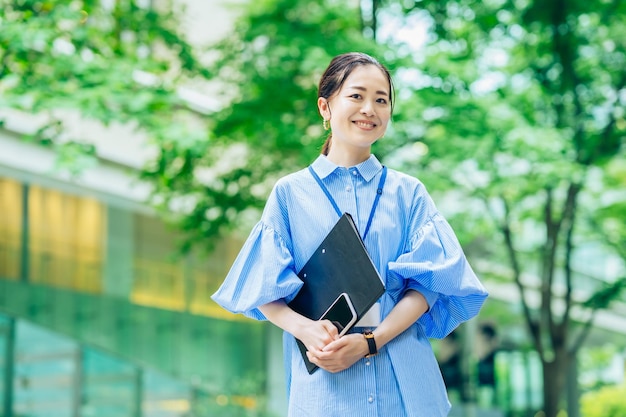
x: 367, y: 108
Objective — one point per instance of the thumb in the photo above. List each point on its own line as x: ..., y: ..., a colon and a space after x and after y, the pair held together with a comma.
x: 331, y: 329
x: 334, y: 345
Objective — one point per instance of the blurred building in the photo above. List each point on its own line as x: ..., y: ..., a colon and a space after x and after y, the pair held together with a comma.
x: 100, y: 317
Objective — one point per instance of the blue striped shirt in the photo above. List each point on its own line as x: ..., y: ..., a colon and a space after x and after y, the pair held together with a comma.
x: 412, y: 246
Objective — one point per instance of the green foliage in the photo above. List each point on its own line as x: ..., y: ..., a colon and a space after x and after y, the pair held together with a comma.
x: 520, y: 104
x: 605, y: 402
x: 268, y: 68
x: 602, y: 298
x: 593, y: 362
x: 514, y: 111
x: 119, y: 64
x: 520, y: 107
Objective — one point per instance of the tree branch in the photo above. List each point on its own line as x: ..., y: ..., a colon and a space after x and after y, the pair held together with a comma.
x: 533, y: 326
x: 600, y: 299
x: 548, y: 261
x: 569, y: 216
x: 580, y: 339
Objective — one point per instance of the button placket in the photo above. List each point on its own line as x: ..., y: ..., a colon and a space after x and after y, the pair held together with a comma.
x: 350, y: 182
x: 370, y: 384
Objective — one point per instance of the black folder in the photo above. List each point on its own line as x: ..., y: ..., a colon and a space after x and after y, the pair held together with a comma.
x: 340, y: 264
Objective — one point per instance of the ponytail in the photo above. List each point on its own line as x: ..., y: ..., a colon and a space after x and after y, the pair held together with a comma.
x: 326, y: 145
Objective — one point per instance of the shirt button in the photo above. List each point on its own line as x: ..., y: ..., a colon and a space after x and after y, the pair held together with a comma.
x: 370, y: 399
x: 354, y: 172
x: 367, y: 362
x: 348, y: 188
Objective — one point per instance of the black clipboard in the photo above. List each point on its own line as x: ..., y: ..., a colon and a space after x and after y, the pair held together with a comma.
x: 340, y: 264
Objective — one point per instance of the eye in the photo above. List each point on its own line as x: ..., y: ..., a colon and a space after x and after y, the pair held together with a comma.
x: 355, y: 95
x: 381, y: 101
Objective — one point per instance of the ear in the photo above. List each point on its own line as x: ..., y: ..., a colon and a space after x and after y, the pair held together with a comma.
x: 322, y: 105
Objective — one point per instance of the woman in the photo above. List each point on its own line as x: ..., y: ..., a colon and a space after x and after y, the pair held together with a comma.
x: 430, y: 287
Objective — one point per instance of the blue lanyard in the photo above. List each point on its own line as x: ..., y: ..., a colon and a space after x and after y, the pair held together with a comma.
x: 379, y: 192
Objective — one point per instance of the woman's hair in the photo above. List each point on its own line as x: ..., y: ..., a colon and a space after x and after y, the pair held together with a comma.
x: 336, y: 74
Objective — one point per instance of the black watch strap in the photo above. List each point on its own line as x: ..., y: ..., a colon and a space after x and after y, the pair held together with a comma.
x: 371, y: 344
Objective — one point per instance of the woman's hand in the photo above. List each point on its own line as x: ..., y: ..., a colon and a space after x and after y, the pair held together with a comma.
x: 342, y: 353
x: 314, y: 334
x: 339, y: 354
x: 317, y: 334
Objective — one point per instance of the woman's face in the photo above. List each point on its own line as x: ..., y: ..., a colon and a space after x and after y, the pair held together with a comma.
x: 360, y: 111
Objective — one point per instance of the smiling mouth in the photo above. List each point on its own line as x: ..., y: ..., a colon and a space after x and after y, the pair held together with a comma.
x: 365, y: 125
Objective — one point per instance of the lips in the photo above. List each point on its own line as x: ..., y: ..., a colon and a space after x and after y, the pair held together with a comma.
x: 364, y: 124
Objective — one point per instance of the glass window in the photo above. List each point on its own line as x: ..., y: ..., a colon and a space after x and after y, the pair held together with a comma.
x: 10, y: 228
x: 66, y: 240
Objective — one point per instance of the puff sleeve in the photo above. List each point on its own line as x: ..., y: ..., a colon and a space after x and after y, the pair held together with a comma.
x: 263, y: 270
x: 435, y: 265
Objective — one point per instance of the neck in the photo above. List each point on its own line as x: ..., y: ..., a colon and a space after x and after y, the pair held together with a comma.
x: 346, y: 159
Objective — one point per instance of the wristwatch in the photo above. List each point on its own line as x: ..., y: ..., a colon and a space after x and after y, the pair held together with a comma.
x: 371, y: 344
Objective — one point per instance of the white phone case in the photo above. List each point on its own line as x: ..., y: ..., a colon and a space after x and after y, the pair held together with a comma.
x: 341, y: 312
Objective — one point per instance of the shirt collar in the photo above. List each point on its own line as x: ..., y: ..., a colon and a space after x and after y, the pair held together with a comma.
x: 368, y: 169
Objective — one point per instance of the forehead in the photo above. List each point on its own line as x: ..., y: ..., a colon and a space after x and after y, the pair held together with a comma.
x: 369, y: 77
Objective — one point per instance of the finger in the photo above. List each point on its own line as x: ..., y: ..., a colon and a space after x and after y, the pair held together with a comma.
x: 336, y: 344
x: 319, y: 344
x: 318, y: 354
x: 331, y: 329
x: 313, y: 350
x: 331, y: 347
x: 320, y: 359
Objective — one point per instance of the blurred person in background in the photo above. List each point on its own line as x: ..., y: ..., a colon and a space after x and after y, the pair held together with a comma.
x: 450, y: 357
x: 488, y: 343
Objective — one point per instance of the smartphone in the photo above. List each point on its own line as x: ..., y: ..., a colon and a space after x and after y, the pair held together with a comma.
x: 341, y: 313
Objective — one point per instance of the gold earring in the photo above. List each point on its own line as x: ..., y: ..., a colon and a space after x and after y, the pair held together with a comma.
x: 325, y: 124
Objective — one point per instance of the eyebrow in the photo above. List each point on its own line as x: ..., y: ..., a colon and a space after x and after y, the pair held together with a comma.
x: 357, y: 87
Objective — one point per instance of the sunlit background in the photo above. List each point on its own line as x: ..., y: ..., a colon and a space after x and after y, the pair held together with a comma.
x: 138, y: 140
